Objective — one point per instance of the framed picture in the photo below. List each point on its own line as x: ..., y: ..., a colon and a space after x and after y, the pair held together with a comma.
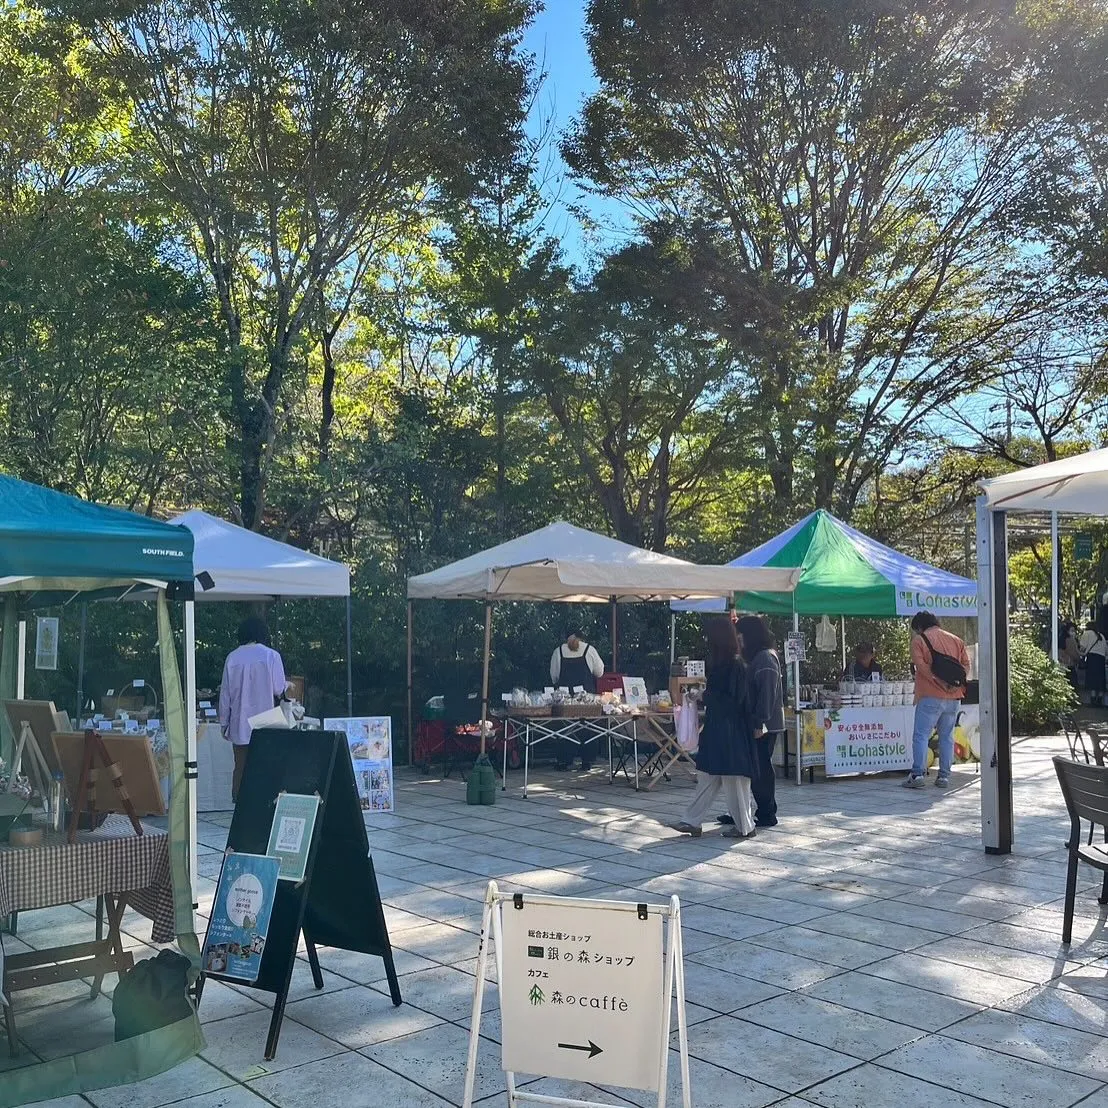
x: 634, y: 692
x: 369, y: 740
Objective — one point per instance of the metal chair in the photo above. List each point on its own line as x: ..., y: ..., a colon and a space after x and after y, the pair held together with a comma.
x: 1085, y: 791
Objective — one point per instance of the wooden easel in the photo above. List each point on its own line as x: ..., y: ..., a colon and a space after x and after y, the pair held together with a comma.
x: 38, y: 770
x: 86, y: 789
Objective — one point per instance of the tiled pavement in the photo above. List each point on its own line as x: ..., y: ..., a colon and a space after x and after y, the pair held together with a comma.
x: 866, y: 952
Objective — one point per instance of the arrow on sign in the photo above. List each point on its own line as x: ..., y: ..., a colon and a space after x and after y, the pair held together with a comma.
x: 592, y: 1049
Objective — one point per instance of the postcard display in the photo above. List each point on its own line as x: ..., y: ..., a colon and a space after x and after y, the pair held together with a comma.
x: 370, y: 741
x: 336, y: 903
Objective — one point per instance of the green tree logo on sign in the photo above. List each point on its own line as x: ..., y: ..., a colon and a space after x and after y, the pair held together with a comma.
x: 536, y: 996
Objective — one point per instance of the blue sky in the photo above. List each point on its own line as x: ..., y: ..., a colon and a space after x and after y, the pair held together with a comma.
x: 557, y: 39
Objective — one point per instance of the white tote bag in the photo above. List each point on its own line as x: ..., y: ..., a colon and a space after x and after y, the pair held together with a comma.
x: 687, y: 722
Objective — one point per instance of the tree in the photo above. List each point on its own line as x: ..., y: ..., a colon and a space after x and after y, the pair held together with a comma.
x: 298, y: 141
x: 834, y: 172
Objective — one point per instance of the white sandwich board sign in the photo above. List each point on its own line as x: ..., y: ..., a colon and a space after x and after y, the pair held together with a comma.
x: 585, y: 988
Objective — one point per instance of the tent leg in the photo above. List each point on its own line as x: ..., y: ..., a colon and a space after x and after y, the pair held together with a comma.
x: 81, y: 665
x: 993, y: 674
x: 796, y: 703
x: 1054, y: 586
x: 411, y: 736
x: 191, y: 771
x: 615, y: 636
x: 842, y: 628
x: 349, y: 656
x: 21, y: 663
x: 485, y: 673
x: 672, y: 637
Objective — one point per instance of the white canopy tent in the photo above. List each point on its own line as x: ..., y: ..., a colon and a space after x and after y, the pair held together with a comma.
x: 570, y: 565
x: 1076, y: 486
x: 234, y: 564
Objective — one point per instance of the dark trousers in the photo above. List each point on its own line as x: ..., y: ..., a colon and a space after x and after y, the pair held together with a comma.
x: 568, y: 751
x: 764, y: 785
x: 241, y: 753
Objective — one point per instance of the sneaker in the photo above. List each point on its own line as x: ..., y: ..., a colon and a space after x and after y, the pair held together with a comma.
x: 688, y: 829
x: 942, y: 781
x: 914, y: 782
x: 725, y: 819
x: 733, y: 832
x: 766, y: 822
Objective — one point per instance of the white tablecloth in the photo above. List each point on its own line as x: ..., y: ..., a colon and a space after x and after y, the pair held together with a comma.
x: 215, y: 765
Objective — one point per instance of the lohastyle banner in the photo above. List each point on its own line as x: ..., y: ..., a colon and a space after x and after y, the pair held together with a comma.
x: 962, y: 604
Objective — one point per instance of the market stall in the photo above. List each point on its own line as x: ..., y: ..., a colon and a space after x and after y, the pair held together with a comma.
x: 844, y: 573
x: 54, y: 550
x: 567, y: 564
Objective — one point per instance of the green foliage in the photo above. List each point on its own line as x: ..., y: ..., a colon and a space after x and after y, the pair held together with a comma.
x: 1041, y: 691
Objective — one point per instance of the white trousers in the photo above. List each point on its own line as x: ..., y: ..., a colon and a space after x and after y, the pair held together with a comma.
x: 736, y: 791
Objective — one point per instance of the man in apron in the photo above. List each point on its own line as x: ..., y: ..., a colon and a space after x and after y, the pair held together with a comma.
x: 575, y: 664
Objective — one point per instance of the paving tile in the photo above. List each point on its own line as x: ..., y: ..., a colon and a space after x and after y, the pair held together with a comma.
x: 220, y: 1002
x: 721, y: 991
x: 571, y: 1090
x: 894, y: 936
x: 436, y: 1060
x: 368, y: 969
x: 1017, y: 963
x: 359, y: 1017
x: 1057, y: 1004
x: 443, y: 991
x: 893, y: 1000
x: 843, y: 1029
x: 835, y: 950
x: 914, y: 915
x: 988, y: 1074
x: 1025, y: 1037
x: 948, y: 978
x: 351, y: 1080
x: 237, y: 1046
x: 775, y: 967
x: 437, y: 942
x: 871, y: 1086
x: 720, y: 921
x: 765, y: 1055
x: 1035, y: 941
x: 712, y: 1087
x: 963, y: 905
x: 193, y: 1077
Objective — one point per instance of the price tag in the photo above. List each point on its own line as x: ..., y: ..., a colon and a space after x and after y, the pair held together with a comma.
x: 549, y: 690
x: 110, y: 692
x: 104, y: 725
x: 506, y: 697
x: 205, y: 703
x: 578, y: 688
x: 139, y: 684
x: 153, y: 725
x: 130, y: 726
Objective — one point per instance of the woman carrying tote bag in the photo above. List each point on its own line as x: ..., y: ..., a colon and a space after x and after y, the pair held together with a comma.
x: 726, y: 758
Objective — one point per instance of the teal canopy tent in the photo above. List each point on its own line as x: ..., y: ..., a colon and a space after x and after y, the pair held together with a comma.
x: 54, y: 548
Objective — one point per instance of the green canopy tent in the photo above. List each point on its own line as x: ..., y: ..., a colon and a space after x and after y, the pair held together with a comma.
x: 54, y: 548
x: 845, y: 573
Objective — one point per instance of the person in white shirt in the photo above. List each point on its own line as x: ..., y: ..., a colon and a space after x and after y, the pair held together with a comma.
x: 575, y: 664
x: 253, y: 682
x: 1094, y: 647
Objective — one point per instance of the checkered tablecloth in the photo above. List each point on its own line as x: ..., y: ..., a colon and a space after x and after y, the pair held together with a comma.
x: 112, y: 859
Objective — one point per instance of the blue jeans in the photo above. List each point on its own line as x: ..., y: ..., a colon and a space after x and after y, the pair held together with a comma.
x: 933, y: 712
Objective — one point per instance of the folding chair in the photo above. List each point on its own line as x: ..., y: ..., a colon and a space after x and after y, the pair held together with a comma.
x: 1085, y: 791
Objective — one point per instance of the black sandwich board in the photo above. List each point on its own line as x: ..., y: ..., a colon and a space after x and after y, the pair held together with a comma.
x: 338, y: 903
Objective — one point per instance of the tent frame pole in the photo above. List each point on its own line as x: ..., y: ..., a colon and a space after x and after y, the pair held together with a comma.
x: 81, y: 663
x: 191, y: 764
x: 842, y: 626
x: 485, y: 674
x: 615, y: 635
x: 349, y: 656
x: 21, y: 663
x: 672, y: 637
x: 1054, y: 586
x: 796, y: 701
x: 411, y: 736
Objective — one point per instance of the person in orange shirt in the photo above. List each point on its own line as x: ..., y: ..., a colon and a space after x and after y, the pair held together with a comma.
x: 941, y: 664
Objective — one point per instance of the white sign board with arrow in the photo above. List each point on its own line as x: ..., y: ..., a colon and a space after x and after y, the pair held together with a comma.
x: 585, y: 988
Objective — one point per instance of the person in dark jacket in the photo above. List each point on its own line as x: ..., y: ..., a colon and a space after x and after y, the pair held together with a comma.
x: 726, y: 758
x: 766, y: 698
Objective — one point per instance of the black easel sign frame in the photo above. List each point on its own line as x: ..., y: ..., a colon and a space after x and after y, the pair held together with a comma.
x: 338, y: 904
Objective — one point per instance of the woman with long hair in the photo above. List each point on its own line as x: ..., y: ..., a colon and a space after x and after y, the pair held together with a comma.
x: 726, y: 758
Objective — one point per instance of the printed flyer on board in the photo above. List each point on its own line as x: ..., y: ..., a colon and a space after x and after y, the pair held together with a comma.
x: 369, y: 739
x: 243, y: 905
